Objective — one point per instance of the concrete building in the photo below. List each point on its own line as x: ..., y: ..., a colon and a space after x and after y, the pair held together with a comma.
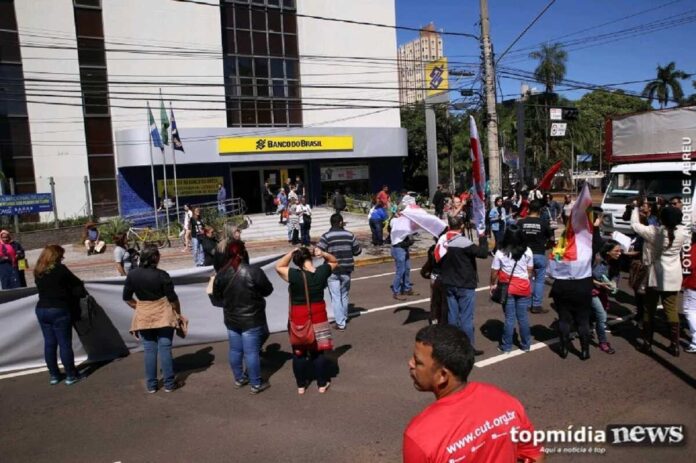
x: 413, y: 58
x: 304, y: 93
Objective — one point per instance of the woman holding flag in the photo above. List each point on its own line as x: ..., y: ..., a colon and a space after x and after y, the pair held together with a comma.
x: 571, y: 267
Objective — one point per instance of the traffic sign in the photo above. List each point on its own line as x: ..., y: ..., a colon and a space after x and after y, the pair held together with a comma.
x: 556, y: 114
x: 558, y: 129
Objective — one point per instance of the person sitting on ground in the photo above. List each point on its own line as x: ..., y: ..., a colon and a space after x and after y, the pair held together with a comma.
x: 309, y: 281
x: 243, y: 289
x: 93, y: 243
x: 441, y: 362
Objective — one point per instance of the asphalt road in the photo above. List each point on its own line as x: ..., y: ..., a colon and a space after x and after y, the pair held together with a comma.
x: 109, y: 418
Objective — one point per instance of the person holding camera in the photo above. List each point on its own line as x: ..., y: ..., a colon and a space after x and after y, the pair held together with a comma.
x: 307, y: 285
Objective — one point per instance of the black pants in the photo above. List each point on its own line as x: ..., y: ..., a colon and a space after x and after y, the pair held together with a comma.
x: 304, y: 230
x: 303, y: 364
x: 573, y: 301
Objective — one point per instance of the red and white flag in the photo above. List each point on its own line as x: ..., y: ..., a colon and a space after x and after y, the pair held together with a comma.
x: 571, y: 258
x: 479, y: 175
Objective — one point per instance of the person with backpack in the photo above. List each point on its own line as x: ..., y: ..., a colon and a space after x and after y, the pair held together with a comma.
x: 123, y: 257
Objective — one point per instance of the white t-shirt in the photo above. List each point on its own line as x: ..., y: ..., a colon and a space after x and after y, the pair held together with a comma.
x: 519, y: 284
x: 187, y: 220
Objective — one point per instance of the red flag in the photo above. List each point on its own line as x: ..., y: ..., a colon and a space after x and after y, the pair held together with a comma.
x: 545, y: 183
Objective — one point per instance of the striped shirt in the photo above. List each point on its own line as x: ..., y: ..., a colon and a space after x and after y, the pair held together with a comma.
x: 343, y: 245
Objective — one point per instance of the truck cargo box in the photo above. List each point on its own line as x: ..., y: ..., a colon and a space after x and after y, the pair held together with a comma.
x: 650, y: 136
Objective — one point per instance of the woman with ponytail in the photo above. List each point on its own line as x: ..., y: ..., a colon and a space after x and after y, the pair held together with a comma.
x: 665, y: 273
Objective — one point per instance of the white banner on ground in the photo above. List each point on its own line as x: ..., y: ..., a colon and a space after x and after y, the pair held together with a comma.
x: 108, y: 337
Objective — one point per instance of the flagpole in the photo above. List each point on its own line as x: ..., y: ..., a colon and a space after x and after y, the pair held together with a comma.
x: 152, y: 169
x: 176, y: 186
x: 165, y: 200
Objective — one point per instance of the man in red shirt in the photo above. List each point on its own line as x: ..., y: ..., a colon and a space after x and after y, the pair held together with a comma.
x: 469, y: 422
x: 383, y: 197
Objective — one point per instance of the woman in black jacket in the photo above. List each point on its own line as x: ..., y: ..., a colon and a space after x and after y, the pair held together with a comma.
x: 59, y: 292
x: 242, y: 288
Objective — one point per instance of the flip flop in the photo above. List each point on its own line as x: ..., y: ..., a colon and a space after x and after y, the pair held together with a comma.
x: 323, y: 389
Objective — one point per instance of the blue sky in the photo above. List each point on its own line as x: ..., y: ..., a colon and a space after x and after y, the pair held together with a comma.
x: 630, y: 59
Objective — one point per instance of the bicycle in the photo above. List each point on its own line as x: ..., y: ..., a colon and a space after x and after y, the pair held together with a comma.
x: 137, y: 237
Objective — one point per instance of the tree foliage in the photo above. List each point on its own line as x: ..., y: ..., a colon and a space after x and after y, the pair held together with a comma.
x: 552, y: 65
x: 666, y: 87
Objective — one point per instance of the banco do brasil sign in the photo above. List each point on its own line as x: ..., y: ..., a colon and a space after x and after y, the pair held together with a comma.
x: 249, y: 145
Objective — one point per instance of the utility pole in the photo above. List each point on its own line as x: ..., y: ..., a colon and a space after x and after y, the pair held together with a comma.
x: 492, y: 127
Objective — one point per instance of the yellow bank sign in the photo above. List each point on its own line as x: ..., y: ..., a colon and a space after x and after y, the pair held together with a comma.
x: 247, y: 145
x: 437, y: 77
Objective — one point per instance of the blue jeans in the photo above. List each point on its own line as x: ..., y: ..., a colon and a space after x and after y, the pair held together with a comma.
x: 57, y: 332
x: 540, y: 261
x: 197, y: 250
x: 158, y: 341
x: 600, y: 319
x: 9, y: 276
x: 339, y: 286
x: 402, y: 279
x: 516, y: 311
x: 461, y: 309
x: 244, y: 351
x: 376, y: 227
x: 498, y: 234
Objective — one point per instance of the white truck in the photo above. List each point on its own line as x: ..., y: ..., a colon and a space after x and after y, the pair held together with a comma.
x: 653, y: 154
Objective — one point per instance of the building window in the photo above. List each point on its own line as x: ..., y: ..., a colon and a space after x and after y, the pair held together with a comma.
x: 98, y: 135
x: 88, y: 3
x: 95, y: 91
x: 101, y: 167
x: 88, y: 23
x: 258, y: 37
x: 12, y: 95
x: 91, y: 52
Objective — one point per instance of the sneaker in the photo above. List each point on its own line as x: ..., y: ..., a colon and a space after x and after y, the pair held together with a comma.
x: 606, y: 347
x: 171, y: 388
x: 538, y: 310
x: 410, y: 292
x: 690, y: 350
x: 241, y: 382
x: 260, y: 388
x: 151, y: 391
x: 500, y: 349
x: 70, y: 380
x: 478, y: 352
x: 397, y: 297
x: 55, y: 380
x: 340, y: 328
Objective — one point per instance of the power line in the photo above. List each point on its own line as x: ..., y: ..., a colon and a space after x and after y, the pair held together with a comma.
x: 519, y: 36
x: 347, y: 21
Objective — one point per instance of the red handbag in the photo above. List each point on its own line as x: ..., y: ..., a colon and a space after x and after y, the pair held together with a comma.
x: 301, y: 334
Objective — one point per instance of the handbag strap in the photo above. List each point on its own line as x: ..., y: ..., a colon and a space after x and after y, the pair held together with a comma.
x: 306, y: 288
x: 511, y: 273
x: 306, y: 291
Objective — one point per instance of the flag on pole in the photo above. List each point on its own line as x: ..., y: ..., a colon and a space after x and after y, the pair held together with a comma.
x: 479, y: 176
x: 154, y: 133
x: 413, y: 219
x: 176, y: 140
x: 571, y: 258
x: 545, y: 182
x: 164, y: 122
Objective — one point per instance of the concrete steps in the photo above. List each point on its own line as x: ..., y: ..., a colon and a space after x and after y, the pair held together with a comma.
x: 266, y: 227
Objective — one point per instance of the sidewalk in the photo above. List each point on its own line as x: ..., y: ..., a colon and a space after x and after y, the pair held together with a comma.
x: 174, y: 258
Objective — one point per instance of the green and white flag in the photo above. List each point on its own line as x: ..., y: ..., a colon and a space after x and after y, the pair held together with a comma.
x: 164, y: 122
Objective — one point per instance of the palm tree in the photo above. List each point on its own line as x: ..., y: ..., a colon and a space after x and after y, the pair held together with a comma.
x: 552, y: 65
x: 667, y: 80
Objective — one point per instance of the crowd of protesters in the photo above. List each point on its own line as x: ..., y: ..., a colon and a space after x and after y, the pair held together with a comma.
x: 522, y: 225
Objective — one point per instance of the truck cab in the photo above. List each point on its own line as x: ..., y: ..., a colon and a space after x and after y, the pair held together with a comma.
x: 651, y: 179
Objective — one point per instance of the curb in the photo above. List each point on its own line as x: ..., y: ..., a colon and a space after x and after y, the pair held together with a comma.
x: 383, y: 259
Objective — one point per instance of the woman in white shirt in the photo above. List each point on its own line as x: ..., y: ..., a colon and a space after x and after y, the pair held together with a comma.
x: 305, y: 213
x: 513, y: 263
x: 187, y: 228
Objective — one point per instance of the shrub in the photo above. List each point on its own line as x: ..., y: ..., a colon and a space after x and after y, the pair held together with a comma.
x: 113, y: 227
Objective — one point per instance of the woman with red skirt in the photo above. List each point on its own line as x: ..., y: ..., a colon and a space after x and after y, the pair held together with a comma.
x: 307, y: 285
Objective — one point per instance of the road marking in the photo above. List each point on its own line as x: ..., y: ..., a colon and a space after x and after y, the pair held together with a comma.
x: 408, y: 303
x: 380, y: 275
x: 514, y: 353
